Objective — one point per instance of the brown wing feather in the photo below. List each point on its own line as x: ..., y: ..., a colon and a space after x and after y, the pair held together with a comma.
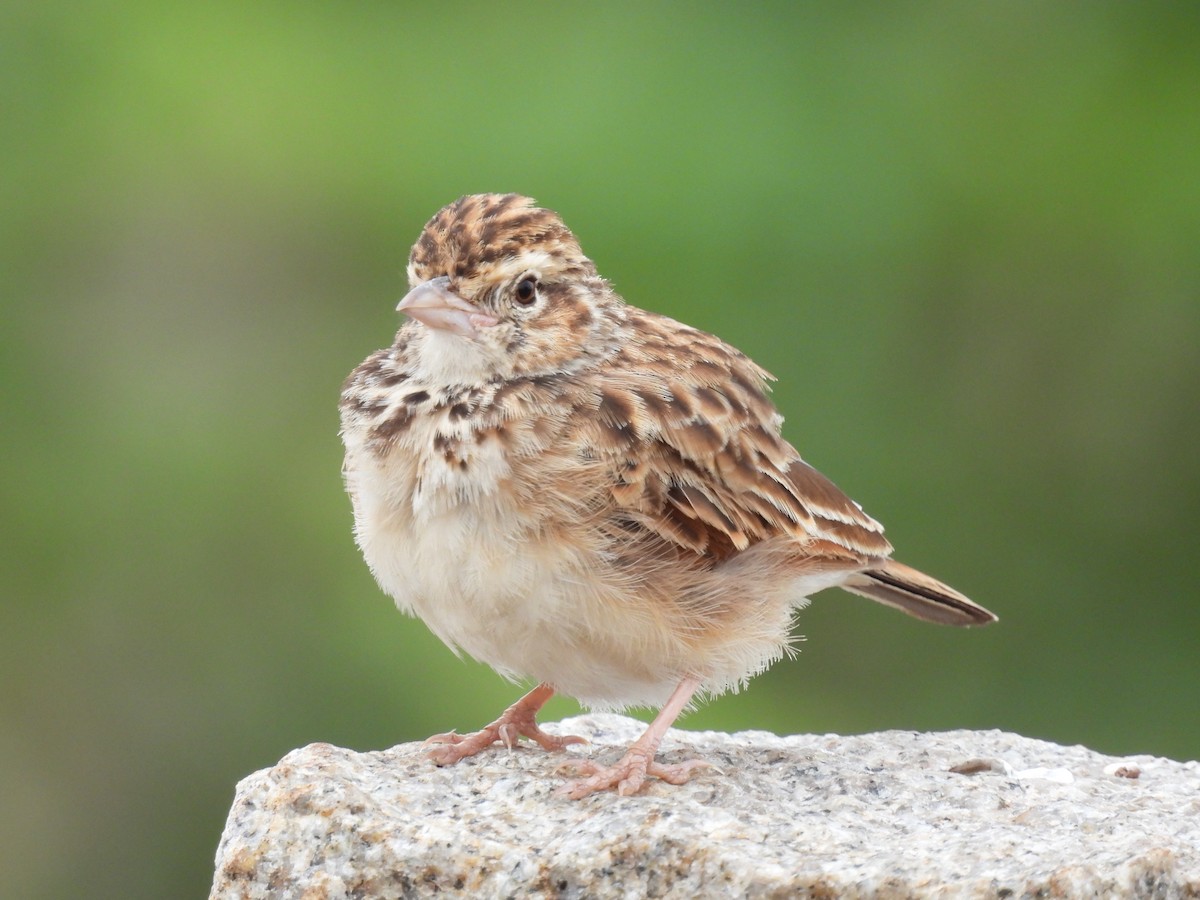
x: 701, y: 461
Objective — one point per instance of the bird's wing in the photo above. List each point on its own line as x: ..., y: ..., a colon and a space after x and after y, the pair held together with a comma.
x: 696, y: 451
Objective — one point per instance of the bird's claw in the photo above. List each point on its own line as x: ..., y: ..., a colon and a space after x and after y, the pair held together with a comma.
x: 626, y: 777
x: 450, y: 747
x: 449, y: 737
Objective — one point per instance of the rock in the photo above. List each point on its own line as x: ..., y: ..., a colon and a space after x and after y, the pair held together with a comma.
x: 895, y: 814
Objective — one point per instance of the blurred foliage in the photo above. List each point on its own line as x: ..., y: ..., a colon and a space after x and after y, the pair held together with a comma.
x: 964, y: 237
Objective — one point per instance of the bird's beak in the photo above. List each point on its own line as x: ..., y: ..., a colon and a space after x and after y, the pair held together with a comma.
x: 435, y: 305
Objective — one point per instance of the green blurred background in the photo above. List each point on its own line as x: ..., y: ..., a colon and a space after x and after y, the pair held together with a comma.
x: 965, y: 237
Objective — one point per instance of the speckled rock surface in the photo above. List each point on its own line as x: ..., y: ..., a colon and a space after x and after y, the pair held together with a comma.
x: 895, y: 814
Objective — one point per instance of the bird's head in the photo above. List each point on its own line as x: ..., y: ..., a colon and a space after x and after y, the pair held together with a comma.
x: 500, y: 288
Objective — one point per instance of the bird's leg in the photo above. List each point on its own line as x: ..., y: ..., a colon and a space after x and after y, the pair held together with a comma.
x: 638, y: 762
x: 516, y: 722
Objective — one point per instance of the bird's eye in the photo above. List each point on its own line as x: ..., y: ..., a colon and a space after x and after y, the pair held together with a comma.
x: 526, y: 291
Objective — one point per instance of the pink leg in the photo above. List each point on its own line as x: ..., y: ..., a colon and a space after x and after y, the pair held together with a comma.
x: 628, y: 775
x: 516, y: 722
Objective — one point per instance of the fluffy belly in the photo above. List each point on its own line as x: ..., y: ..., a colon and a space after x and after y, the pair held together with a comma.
x: 486, y: 582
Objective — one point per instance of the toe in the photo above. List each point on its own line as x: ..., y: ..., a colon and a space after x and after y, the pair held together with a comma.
x: 631, y: 784
x: 681, y: 773
x: 555, y: 742
x: 449, y: 737
x: 443, y: 756
x: 627, y: 777
x: 582, y: 787
x: 450, y: 748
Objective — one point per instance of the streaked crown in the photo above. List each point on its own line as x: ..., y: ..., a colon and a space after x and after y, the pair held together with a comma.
x: 486, y: 239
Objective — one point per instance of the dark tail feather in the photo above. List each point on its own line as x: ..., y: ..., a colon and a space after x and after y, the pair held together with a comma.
x: 915, y: 593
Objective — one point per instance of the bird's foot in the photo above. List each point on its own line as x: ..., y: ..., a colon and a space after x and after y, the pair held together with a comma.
x: 516, y: 722
x: 627, y: 776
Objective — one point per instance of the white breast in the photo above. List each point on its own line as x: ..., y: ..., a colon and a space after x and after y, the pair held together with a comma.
x: 451, y: 545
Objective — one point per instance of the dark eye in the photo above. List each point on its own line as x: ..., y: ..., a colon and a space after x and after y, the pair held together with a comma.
x: 526, y: 291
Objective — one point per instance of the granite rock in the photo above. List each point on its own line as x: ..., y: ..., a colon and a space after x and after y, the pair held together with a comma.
x: 894, y: 814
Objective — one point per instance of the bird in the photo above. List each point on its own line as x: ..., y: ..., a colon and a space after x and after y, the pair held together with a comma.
x: 587, y: 496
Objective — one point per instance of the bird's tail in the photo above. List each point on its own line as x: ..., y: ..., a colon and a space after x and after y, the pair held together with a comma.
x: 915, y: 593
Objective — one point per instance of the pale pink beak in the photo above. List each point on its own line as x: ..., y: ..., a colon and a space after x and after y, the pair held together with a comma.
x: 433, y: 304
